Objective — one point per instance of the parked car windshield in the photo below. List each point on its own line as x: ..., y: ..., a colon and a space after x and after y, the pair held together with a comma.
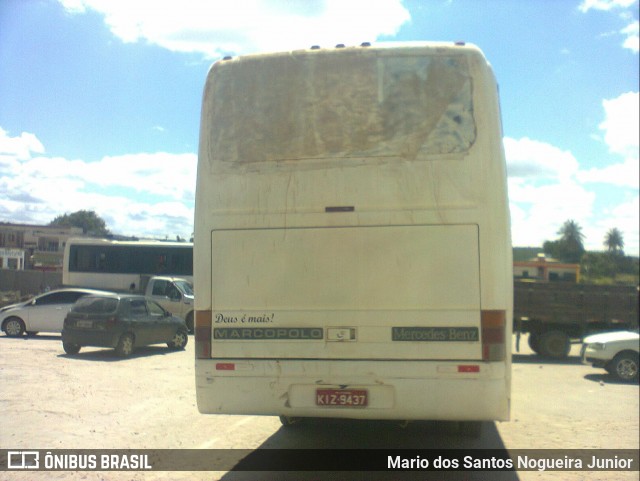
x: 95, y: 305
x: 155, y: 309
x: 185, y: 287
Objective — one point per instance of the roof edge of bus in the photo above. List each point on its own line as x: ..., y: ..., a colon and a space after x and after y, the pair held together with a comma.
x: 461, y: 45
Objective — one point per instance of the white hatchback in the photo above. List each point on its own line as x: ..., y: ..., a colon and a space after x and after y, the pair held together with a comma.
x: 617, y: 352
x: 43, y: 313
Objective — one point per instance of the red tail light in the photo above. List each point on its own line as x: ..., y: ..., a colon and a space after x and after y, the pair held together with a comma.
x: 468, y: 368
x: 493, y: 325
x: 112, y: 321
x: 203, y: 334
x: 225, y: 366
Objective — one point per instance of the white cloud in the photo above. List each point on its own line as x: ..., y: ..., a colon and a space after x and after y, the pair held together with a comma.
x: 19, y: 148
x: 623, y: 217
x: 145, y: 194
x: 170, y: 175
x: 625, y: 174
x: 543, y: 191
x: 547, y: 187
x: 605, y: 5
x: 620, y: 128
x: 532, y: 158
x: 621, y: 124
x: 632, y: 34
x: 537, y: 212
x: 243, y: 26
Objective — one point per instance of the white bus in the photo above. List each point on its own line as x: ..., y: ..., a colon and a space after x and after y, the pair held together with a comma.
x: 352, y: 242
x: 123, y: 265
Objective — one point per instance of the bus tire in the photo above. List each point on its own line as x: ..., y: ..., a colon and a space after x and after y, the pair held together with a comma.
x: 289, y: 421
x: 554, y: 344
x: 470, y: 429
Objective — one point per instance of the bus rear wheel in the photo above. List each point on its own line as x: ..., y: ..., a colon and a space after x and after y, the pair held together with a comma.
x: 288, y: 421
x: 470, y: 429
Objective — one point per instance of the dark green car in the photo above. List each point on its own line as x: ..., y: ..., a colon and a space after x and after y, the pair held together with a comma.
x: 123, y: 322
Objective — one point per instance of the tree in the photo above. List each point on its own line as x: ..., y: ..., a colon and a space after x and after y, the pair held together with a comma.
x: 571, y: 233
x: 613, y: 241
x: 596, y: 265
x: 570, y: 246
x: 90, y: 222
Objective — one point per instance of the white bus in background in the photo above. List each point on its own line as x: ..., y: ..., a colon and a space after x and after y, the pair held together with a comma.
x: 352, y: 241
x: 123, y: 265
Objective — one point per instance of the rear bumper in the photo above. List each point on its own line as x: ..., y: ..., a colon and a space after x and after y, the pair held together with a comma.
x: 90, y: 338
x: 408, y: 390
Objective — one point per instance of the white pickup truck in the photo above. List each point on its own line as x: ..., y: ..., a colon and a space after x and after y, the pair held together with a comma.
x: 174, y: 294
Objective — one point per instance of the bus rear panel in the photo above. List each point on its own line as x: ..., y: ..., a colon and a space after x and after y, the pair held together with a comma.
x: 352, y: 254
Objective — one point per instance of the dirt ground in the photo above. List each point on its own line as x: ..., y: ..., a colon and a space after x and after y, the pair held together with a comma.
x: 94, y: 400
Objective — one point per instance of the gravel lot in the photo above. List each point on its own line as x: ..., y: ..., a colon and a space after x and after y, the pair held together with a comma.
x: 95, y: 400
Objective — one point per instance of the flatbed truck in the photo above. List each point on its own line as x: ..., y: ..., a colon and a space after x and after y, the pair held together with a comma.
x: 557, y: 314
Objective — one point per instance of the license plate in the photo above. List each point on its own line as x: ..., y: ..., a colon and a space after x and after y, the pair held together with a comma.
x: 84, y: 324
x: 352, y: 398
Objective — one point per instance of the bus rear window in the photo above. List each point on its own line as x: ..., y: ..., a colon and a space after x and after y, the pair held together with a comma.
x: 95, y: 305
x: 353, y: 105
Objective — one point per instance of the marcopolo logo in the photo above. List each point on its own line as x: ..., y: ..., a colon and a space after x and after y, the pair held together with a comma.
x: 268, y: 333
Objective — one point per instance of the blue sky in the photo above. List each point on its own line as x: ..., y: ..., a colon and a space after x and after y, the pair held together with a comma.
x: 100, y: 100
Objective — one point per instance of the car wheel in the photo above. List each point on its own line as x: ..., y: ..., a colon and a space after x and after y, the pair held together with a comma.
x: 13, y: 327
x: 179, y: 341
x: 625, y: 366
x: 554, y: 344
x: 125, y: 345
x: 70, y: 348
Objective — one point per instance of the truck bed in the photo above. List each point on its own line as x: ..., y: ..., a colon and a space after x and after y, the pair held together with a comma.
x: 564, y: 312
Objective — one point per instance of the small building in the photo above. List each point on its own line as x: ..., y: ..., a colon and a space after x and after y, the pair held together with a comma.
x: 11, y: 259
x: 547, y: 269
x: 34, y: 246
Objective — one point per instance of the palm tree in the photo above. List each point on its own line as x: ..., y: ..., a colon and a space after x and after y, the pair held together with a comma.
x: 613, y: 241
x: 571, y: 241
x: 571, y: 232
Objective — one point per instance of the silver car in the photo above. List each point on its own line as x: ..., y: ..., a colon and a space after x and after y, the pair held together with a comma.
x: 43, y: 313
x: 616, y: 352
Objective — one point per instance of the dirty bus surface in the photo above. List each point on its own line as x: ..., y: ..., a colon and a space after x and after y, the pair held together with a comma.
x: 352, y: 254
